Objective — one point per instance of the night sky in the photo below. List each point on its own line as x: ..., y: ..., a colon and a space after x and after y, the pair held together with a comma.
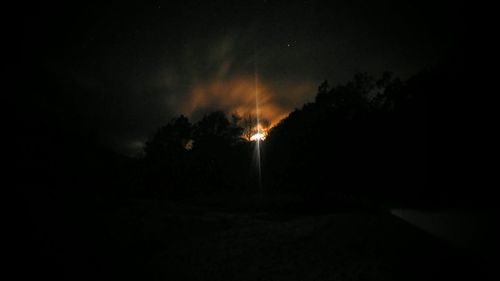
x: 126, y: 69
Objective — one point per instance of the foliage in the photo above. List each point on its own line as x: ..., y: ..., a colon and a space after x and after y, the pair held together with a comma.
x: 364, y: 138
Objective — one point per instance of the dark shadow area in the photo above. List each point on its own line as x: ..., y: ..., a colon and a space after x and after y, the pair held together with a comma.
x: 191, y: 208
x: 350, y: 186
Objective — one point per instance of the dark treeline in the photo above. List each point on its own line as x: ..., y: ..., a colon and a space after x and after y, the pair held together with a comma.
x: 365, y: 139
x: 362, y: 141
x: 184, y: 160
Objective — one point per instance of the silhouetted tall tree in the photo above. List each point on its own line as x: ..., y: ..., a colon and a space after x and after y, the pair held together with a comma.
x: 248, y: 125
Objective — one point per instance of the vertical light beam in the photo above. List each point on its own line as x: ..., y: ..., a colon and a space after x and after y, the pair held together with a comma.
x: 257, y: 143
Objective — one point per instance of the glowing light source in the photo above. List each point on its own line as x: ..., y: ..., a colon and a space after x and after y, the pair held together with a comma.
x: 258, y: 137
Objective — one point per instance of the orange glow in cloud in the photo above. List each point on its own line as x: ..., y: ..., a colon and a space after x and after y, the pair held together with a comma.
x: 216, y: 80
x: 237, y: 95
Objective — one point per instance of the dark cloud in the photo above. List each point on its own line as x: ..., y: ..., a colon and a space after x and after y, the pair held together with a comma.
x: 140, y: 64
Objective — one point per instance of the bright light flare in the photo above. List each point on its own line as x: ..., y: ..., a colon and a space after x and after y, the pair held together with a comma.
x: 258, y: 136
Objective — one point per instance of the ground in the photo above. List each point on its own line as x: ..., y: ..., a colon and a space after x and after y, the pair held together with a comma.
x: 211, y: 245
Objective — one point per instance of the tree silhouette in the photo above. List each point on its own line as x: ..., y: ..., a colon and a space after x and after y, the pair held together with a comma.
x: 170, y: 140
x: 215, y: 129
x: 362, y: 132
x: 248, y: 124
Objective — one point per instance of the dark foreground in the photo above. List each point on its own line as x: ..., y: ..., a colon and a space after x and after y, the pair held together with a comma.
x: 193, y: 244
